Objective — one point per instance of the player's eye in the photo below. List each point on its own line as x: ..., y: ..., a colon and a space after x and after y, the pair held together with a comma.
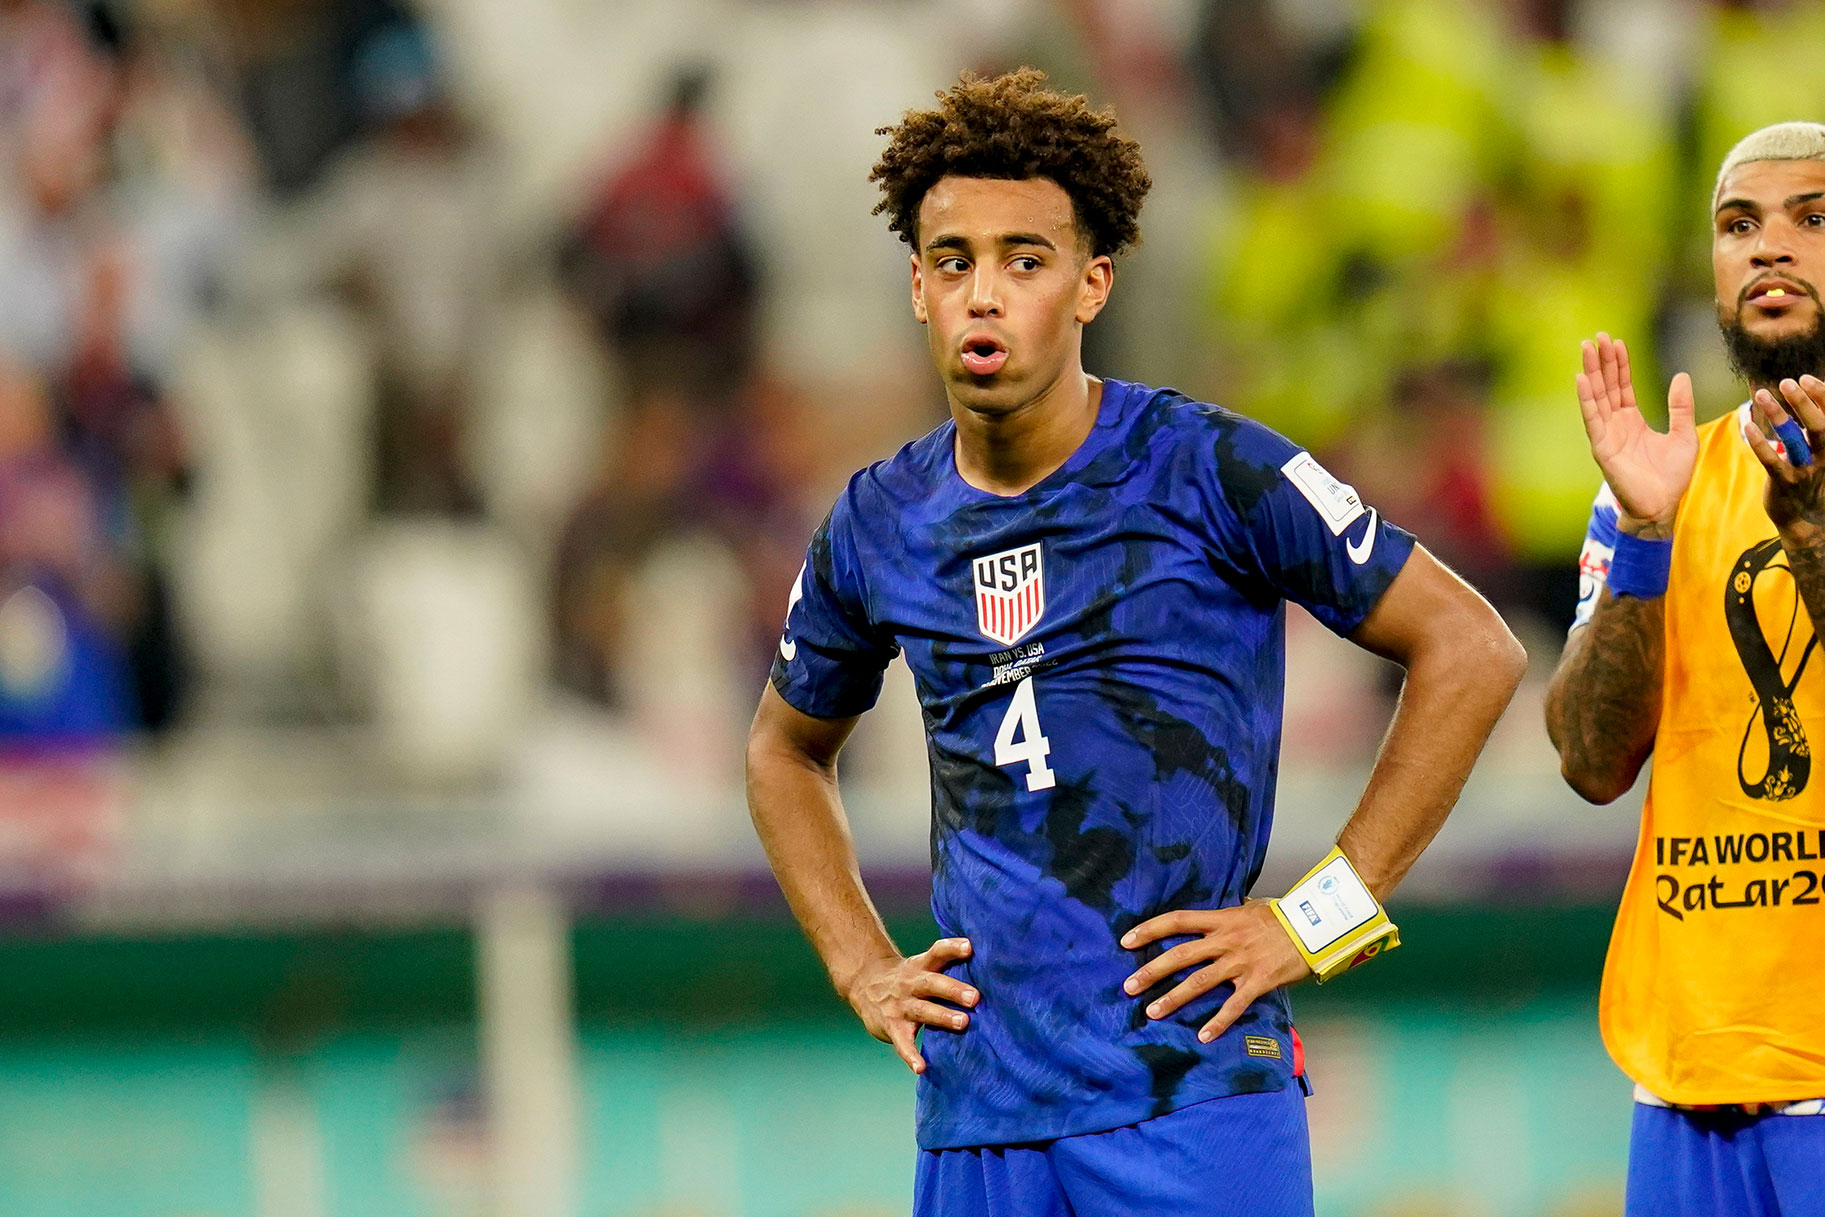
x: 952, y: 265
x: 1026, y: 262
x: 1739, y: 226
x: 1813, y: 219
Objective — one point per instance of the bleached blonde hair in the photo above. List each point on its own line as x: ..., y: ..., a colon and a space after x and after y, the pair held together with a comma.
x: 1797, y: 141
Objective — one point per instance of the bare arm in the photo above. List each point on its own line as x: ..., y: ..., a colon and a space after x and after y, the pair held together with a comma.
x: 1805, y: 548
x: 1603, y: 706
x: 1462, y: 665
x: 792, y: 796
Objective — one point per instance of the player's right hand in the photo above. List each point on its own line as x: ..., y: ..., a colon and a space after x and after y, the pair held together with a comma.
x: 1646, y: 470
x: 893, y: 997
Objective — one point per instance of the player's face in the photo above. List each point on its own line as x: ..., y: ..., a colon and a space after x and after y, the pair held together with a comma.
x: 1003, y: 284
x: 1768, y: 250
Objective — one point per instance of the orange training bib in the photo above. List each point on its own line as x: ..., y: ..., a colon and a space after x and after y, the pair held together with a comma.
x: 1714, y: 987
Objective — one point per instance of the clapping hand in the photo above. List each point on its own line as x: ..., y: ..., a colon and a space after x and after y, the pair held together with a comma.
x: 1796, y: 484
x: 1647, y: 470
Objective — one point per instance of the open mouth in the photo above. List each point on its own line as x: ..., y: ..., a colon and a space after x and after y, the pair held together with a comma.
x: 983, y: 355
x: 1773, y: 293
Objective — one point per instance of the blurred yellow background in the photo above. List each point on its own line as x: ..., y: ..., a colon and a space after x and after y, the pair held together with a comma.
x: 411, y: 421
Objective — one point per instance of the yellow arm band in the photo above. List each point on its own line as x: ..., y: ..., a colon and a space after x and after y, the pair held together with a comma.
x: 1334, y: 919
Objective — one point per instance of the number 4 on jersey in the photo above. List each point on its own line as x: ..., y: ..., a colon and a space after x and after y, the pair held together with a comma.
x: 1033, y: 747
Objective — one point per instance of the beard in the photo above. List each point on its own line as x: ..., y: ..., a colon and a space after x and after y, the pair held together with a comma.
x: 1766, y: 362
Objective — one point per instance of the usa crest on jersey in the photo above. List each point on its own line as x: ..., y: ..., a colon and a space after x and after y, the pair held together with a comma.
x: 1010, y: 593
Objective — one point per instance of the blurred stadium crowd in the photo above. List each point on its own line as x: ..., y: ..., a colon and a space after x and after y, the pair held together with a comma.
x: 424, y: 367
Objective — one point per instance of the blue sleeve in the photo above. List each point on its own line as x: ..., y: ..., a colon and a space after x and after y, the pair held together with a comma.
x: 1594, y: 559
x: 830, y: 659
x: 1288, y: 523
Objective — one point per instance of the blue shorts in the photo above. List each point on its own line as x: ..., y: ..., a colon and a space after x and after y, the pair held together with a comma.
x: 1725, y: 1164
x: 1247, y: 1155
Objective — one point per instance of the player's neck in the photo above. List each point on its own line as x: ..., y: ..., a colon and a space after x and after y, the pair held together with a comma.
x: 1012, y: 452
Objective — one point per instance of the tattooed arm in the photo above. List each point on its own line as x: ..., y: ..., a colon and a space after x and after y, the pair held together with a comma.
x: 1805, y: 548
x: 1604, y: 703
x: 1603, y: 706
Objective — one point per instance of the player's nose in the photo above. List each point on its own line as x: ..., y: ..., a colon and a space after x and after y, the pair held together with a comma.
x: 1771, y: 248
x: 985, y: 295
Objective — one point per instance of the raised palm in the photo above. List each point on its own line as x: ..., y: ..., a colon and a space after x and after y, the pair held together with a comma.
x: 1646, y: 469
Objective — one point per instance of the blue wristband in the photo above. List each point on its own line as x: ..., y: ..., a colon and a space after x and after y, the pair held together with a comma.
x: 1640, y: 566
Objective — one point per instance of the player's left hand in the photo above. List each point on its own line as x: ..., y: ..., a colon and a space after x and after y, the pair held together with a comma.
x: 1245, y: 946
x: 1796, y: 492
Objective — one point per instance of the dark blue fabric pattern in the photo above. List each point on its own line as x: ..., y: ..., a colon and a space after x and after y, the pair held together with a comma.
x: 1138, y: 721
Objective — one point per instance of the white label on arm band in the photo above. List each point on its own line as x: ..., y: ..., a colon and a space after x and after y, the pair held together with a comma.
x: 1593, y: 575
x: 1595, y: 558
x: 1336, y: 501
x: 1327, y: 904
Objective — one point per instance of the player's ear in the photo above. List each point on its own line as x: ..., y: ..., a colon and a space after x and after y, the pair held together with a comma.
x: 1094, y: 286
x: 918, y: 288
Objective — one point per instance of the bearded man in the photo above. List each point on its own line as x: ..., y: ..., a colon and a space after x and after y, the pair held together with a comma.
x: 1703, y: 589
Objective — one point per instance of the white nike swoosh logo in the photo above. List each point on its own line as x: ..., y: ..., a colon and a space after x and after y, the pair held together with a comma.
x: 788, y: 651
x: 1360, y: 553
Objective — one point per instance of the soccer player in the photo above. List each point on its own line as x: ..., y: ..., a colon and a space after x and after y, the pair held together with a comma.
x: 1703, y: 586
x: 1088, y: 580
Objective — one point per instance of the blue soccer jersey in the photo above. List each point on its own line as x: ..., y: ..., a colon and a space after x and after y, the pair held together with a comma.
x: 1101, y: 663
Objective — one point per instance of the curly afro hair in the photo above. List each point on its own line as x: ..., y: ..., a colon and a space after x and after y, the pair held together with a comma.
x: 1013, y: 127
